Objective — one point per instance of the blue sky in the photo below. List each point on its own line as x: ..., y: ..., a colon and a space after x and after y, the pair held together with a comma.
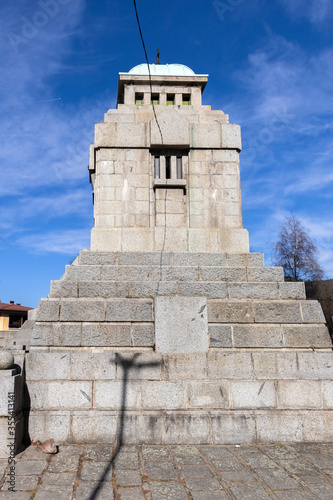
x: 271, y: 69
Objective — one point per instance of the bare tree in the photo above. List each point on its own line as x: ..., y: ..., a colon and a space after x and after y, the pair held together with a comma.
x: 296, y: 252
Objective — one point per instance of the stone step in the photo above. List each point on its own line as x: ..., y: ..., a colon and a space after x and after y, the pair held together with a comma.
x: 269, y: 336
x: 172, y: 273
x: 141, y: 310
x: 148, y: 289
x: 94, y: 334
x: 189, y: 394
x: 87, y: 257
x: 222, y: 336
x: 204, y: 426
x: 221, y: 380
x: 269, y: 311
x: 219, y: 364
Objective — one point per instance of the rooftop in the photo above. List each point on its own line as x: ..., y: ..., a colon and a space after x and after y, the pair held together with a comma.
x: 13, y: 307
x: 162, y: 70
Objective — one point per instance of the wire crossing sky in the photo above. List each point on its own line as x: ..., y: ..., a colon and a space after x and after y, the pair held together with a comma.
x: 271, y: 71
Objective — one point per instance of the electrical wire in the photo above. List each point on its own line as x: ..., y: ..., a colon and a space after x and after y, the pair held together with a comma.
x: 159, y: 128
x: 150, y: 80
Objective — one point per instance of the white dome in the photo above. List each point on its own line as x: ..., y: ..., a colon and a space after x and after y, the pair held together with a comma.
x: 162, y: 70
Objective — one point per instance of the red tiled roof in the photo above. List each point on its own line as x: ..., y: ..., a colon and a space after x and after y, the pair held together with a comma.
x: 13, y: 307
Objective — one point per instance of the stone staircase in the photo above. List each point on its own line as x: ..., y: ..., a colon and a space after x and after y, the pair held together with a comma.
x: 94, y: 364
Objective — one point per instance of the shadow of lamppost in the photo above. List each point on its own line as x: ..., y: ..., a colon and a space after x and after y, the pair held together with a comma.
x: 127, y: 364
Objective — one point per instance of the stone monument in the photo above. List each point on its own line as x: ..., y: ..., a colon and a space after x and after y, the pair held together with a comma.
x: 169, y: 330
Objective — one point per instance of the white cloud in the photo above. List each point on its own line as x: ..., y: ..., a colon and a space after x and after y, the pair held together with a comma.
x: 285, y: 108
x: 286, y: 100
x: 46, y: 139
x: 62, y: 242
x: 317, y: 11
x: 17, y: 216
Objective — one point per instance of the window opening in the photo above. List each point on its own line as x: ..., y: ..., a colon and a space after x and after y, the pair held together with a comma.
x: 179, y: 167
x: 15, y: 321
x: 170, y: 99
x: 155, y: 99
x: 168, y: 167
x: 138, y: 99
x: 186, y: 99
x: 157, y: 170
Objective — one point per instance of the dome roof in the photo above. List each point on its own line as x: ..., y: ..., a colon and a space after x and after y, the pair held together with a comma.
x: 162, y: 70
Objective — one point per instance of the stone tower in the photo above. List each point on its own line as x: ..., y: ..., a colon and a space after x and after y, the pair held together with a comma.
x: 169, y: 330
x: 170, y: 184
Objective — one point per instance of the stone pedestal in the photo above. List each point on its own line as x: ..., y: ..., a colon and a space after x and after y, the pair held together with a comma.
x: 205, y: 348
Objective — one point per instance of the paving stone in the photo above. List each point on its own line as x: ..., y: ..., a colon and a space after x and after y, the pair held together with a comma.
x: 259, y: 461
x: 194, y: 471
x: 189, y: 460
x: 61, y: 463
x: 162, y: 470
x: 216, y: 452
x: 99, y: 453
x: 304, y: 447
x: 280, y: 452
x: 250, y: 492
x: 278, y: 479
x: 185, y: 450
x: 227, y: 463
x: 93, y: 490
x: 209, y: 495
x: 3, y: 466
x: 324, y: 448
x: 131, y: 494
x: 297, y: 467
x: 127, y: 461
x: 128, y: 478
x: 320, y: 461
x: 19, y: 495
x: 54, y: 492
x: 96, y: 471
x: 245, y: 449
x: 29, y: 468
x: 128, y: 448
x: 163, y: 479
x: 237, y: 476
x: 68, y: 450
x: 294, y: 495
x: 32, y: 453
x: 171, y: 490
x: 323, y: 491
x: 199, y: 484
x: 155, y: 453
x: 63, y: 479
x: 314, y: 479
x: 24, y: 483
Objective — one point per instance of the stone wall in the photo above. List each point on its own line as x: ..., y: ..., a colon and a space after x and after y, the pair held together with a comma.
x: 135, y: 211
x: 179, y: 348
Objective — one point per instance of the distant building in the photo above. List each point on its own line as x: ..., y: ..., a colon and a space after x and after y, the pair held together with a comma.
x: 12, y: 316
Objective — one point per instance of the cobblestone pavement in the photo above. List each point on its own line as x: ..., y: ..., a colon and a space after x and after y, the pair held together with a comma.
x: 258, y: 472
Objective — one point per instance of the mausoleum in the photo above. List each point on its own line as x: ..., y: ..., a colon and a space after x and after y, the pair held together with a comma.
x: 168, y: 330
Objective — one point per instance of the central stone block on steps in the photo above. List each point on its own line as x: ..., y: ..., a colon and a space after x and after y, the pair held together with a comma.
x: 181, y: 325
